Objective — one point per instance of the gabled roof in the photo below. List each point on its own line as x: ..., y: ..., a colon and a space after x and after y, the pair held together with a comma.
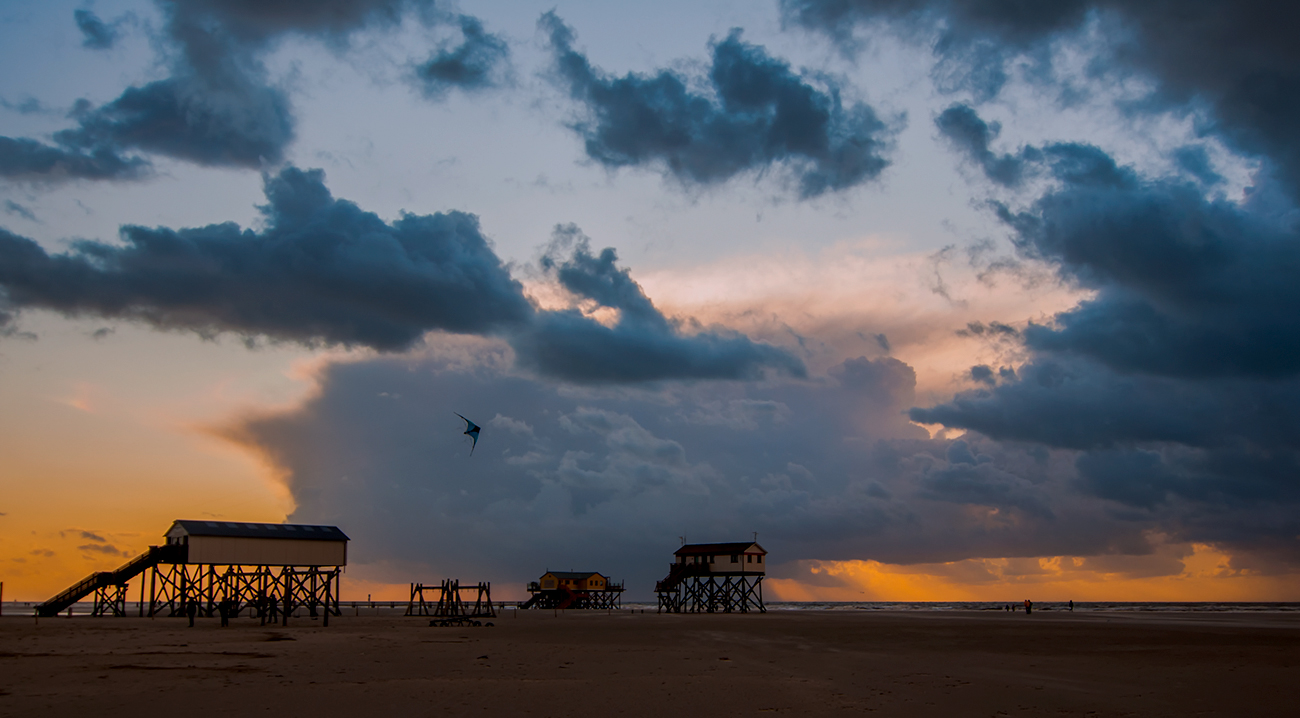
x: 241, y: 529
x: 692, y: 549
x: 575, y: 575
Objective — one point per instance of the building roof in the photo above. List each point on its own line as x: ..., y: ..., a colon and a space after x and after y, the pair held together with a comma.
x: 241, y: 529
x: 692, y: 549
x: 575, y: 575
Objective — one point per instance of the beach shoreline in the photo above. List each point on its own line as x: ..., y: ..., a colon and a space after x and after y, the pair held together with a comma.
x: 543, y: 663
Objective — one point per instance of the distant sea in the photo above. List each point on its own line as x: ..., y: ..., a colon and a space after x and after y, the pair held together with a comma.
x: 1096, y: 606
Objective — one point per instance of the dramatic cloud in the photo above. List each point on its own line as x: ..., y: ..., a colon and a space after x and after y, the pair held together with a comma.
x: 828, y: 468
x: 642, y: 344
x: 252, y: 21
x: 234, y: 120
x: 1237, y: 59
x: 219, y: 107
x: 1187, y: 285
x: 98, y: 35
x: 326, y: 272
x: 323, y: 271
x: 972, y: 135
x: 476, y: 63
x: 759, y: 113
x: 216, y: 109
x: 1177, y: 382
x: 24, y: 159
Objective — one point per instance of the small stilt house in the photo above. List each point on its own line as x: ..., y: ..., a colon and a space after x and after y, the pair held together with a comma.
x: 573, y: 580
x: 574, y: 589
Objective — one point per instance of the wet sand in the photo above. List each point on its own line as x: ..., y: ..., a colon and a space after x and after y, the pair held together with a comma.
x: 539, y: 664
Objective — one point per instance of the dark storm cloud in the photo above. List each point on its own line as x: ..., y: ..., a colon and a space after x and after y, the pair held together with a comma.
x: 98, y: 34
x: 326, y: 272
x: 323, y: 271
x: 1187, y: 286
x: 1175, y: 383
x: 827, y: 469
x: 1177, y: 380
x: 1239, y: 59
x: 219, y: 107
x: 233, y: 120
x: 1081, y: 405
x: 983, y: 374
x: 642, y: 344
x: 24, y: 159
x: 261, y: 20
x: 1195, y: 161
x: 475, y: 64
x: 759, y: 113
x: 972, y: 135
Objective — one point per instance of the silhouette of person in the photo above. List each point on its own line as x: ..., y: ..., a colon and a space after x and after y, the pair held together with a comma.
x: 192, y: 610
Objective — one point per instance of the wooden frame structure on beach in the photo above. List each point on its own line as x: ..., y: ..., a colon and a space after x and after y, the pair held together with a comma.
x: 450, y: 604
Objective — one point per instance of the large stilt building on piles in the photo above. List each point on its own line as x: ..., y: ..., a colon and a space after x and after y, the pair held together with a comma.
x: 210, y: 566
x: 714, y: 578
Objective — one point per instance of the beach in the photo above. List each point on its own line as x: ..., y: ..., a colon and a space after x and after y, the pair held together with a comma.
x: 541, y: 663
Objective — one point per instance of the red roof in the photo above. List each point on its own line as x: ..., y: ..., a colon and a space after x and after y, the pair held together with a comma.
x: 693, y: 549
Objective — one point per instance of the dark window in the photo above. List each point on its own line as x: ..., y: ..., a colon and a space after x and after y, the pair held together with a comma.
x: 760, y: 558
x: 749, y: 559
x: 735, y: 558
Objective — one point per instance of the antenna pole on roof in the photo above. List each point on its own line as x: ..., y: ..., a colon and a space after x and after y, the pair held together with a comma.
x: 682, y: 539
x: 755, y: 537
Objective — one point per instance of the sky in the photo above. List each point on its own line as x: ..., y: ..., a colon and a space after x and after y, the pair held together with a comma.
x: 940, y: 299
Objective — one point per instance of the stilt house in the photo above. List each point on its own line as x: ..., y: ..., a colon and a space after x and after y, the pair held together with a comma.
x: 721, y: 559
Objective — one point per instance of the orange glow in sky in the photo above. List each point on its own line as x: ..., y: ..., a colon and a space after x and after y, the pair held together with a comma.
x: 1206, y: 574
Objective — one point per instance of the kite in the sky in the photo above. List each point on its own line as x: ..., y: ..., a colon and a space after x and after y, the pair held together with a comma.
x: 471, y: 430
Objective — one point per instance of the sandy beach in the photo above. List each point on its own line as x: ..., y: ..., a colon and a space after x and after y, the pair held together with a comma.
x: 541, y: 664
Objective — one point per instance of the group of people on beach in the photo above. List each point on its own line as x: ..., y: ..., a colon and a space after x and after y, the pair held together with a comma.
x: 265, y: 608
x: 1029, y: 606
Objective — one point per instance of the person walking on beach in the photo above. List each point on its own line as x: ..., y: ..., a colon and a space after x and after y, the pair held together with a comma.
x: 1072, y: 605
x: 192, y: 610
x: 1029, y: 607
x: 224, y: 609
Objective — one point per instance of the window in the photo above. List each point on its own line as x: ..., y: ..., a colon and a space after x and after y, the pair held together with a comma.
x: 760, y: 558
x: 749, y: 559
x: 735, y: 558
x: 710, y: 558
